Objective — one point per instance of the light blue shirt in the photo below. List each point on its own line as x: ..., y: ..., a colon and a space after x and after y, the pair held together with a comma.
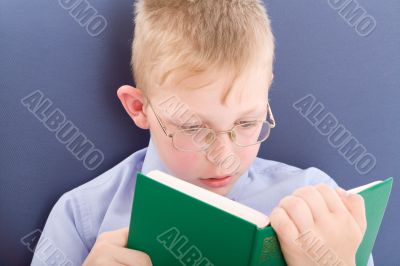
x: 104, y: 203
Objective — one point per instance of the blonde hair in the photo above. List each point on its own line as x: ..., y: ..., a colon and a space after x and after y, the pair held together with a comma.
x: 195, y: 35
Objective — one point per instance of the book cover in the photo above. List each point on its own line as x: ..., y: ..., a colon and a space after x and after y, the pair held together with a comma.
x: 376, y: 198
x: 175, y: 228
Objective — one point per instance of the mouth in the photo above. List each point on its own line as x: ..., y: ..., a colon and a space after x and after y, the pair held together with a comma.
x: 217, y: 181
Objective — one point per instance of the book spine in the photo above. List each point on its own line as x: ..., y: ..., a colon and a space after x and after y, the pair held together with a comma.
x: 266, y: 250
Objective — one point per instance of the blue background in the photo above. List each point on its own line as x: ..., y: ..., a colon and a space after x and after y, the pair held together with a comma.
x: 43, y: 48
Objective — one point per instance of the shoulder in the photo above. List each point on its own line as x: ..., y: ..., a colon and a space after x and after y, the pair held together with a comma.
x: 278, y: 172
x: 87, y: 206
x: 269, y: 181
x: 113, y: 177
x: 110, y: 184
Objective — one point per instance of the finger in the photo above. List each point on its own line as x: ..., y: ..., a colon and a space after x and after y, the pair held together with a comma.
x: 283, y: 225
x: 299, y: 212
x: 114, y: 263
x: 118, y: 237
x: 132, y: 257
x: 102, y: 254
x: 356, y: 206
x: 314, y: 200
x: 332, y: 199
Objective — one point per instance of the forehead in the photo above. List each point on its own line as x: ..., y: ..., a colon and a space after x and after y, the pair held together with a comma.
x: 218, y: 94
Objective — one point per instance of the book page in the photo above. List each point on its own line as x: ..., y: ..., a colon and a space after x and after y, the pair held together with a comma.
x: 255, y: 217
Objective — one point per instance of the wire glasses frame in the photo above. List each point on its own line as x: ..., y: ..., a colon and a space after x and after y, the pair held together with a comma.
x: 210, y: 135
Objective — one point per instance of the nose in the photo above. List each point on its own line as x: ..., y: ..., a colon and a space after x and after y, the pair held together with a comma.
x: 222, y: 155
x: 223, y: 140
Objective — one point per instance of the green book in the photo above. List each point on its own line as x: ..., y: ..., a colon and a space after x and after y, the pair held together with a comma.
x: 178, y: 223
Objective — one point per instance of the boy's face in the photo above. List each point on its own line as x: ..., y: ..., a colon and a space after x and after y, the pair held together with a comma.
x: 201, y: 95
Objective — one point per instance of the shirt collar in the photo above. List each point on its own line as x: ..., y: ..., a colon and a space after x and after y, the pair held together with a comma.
x: 152, y: 161
x: 238, y: 187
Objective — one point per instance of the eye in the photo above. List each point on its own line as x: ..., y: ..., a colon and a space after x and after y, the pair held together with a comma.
x: 248, y: 124
x: 190, y: 128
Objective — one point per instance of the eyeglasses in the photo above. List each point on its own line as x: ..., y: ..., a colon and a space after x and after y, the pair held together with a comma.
x: 199, y: 138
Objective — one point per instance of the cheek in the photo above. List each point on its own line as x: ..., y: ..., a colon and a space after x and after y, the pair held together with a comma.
x: 182, y: 160
x: 247, y: 155
x: 188, y: 165
x: 181, y: 164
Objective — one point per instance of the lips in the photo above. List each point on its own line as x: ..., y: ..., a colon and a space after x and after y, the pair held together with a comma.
x: 215, y: 177
x: 217, y: 181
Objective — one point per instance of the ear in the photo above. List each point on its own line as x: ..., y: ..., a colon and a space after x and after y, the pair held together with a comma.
x: 133, y: 101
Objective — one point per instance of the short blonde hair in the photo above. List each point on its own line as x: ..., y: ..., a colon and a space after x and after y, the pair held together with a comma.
x: 195, y: 35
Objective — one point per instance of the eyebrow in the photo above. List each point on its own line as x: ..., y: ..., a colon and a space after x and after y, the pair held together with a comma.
x: 252, y: 113
x: 256, y: 111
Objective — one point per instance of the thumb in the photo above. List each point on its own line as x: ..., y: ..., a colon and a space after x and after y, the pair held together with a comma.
x: 355, y: 205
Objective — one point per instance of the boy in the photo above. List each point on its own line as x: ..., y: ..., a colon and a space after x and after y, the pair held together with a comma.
x: 202, y: 70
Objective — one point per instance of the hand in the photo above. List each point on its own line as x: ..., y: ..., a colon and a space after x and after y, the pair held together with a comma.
x: 317, y: 225
x: 110, y: 249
